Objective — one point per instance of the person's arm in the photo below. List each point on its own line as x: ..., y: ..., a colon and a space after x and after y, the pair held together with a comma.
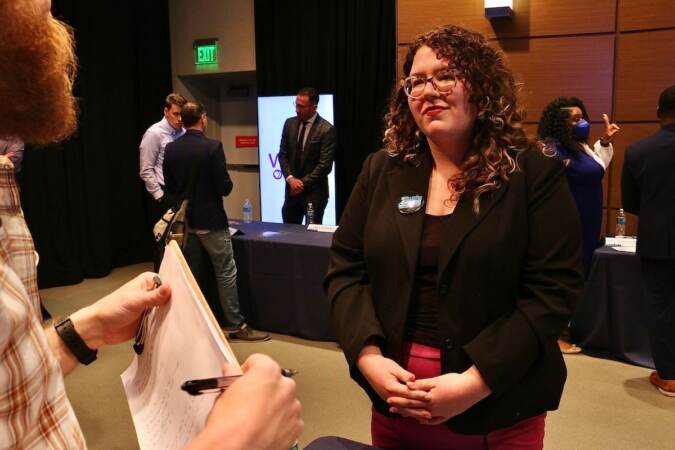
x: 550, y: 284
x: 326, y: 157
x: 111, y: 320
x: 283, y: 151
x: 258, y: 411
x: 630, y: 189
x: 221, y: 176
x: 348, y: 291
x: 149, y: 151
x: 604, y: 152
x: 357, y: 327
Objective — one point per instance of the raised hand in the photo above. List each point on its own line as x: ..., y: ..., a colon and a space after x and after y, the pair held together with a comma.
x: 610, y: 130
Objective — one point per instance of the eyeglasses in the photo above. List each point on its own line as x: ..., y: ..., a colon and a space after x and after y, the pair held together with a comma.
x: 443, y: 81
x: 298, y: 105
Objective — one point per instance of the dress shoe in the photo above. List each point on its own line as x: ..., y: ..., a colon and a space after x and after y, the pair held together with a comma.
x: 568, y: 348
x: 245, y: 333
x: 666, y: 387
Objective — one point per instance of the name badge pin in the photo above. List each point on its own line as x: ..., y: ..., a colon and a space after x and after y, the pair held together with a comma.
x: 410, y: 204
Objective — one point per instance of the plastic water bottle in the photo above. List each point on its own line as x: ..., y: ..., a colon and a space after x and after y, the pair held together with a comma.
x: 310, y: 214
x: 620, y: 230
x: 248, y: 211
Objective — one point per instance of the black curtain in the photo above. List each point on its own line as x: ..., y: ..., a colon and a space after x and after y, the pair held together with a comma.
x: 83, y: 200
x: 344, y: 47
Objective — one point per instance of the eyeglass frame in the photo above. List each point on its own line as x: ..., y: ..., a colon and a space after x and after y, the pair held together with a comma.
x: 430, y: 79
x: 308, y: 105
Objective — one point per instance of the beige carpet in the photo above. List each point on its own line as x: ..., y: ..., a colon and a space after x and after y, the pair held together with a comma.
x: 606, y: 405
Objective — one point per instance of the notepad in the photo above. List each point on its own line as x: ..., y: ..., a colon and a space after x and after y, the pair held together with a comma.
x: 183, y: 342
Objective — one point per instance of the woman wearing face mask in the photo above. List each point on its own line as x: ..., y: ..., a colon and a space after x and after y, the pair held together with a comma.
x: 457, y: 260
x: 564, y: 129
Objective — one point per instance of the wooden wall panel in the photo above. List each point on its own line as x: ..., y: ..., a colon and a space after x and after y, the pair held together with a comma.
x: 646, y: 14
x: 536, y: 63
x: 579, y: 66
x: 644, y: 68
x: 531, y: 17
x: 629, y: 133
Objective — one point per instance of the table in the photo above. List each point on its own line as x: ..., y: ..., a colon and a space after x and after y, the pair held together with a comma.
x: 610, y: 319
x: 280, y: 272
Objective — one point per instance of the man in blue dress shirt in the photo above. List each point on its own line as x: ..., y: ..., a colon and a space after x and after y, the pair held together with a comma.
x: 152, y: 147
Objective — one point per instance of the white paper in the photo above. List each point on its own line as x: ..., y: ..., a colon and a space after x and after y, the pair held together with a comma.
x: 625, y: 241
x: 182, y: 343
x: 322, y: 228
x: 625, y: 249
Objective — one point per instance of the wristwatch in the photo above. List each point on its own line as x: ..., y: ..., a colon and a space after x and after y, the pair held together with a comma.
x: 74, y: 342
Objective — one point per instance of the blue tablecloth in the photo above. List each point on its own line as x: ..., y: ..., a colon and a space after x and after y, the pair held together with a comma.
x: 280, y: 270
x: 610, y: 320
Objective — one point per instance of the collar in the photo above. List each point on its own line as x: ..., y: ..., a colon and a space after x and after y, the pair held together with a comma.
x: 195, y: 132
x: 169, y: 129
x: 311, y: 120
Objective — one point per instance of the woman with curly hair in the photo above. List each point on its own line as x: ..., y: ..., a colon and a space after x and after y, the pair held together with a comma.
x: 457, y: 259
x: 564, y: 128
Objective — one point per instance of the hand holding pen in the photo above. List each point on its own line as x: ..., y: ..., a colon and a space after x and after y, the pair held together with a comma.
x: 261, y: 409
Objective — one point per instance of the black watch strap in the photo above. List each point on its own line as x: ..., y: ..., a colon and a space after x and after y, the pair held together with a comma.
x: 74, y: 342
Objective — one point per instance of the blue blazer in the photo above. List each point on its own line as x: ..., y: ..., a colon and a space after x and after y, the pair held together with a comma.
x: 205, y: 210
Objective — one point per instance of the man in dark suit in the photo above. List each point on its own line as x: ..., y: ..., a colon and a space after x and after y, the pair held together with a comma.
x: 306, y: 153
x: 648, y: 190
x: 195, y: 169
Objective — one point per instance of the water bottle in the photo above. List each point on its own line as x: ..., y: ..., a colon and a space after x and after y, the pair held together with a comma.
x: 620, y: 230
x: 310, y: 214
x: 248, y: 211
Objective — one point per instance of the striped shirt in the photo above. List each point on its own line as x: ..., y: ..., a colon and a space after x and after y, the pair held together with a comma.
x: 34, y: 410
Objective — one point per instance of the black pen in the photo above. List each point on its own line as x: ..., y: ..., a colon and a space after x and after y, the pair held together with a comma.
x: 139, y: 340
x: 219, y: 384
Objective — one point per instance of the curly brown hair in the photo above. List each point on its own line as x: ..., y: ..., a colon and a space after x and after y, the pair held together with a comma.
x: 498, y: 133
x: 38, y: 66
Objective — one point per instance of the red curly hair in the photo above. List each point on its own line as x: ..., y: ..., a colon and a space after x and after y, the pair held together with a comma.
x: 38, y: 65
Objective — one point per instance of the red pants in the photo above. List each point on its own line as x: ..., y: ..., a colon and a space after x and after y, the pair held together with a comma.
x: 406, y: 433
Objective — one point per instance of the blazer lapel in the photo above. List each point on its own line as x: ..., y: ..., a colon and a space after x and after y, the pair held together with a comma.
x: 465, y: 221
x: 293, y: 130
x: 407, y: 179
x: 314, y: 129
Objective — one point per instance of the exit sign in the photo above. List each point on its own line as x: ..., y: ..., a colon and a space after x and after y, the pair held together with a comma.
x: 206, y: 52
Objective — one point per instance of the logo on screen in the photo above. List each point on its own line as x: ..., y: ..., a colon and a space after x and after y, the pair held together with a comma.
x: 276, y: 173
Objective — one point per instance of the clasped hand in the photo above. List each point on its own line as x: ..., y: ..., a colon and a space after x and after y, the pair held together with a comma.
x: 430, y: 401
x: 295, y: 186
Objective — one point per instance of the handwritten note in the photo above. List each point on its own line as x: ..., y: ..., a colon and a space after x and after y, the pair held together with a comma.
x: 183, y: 342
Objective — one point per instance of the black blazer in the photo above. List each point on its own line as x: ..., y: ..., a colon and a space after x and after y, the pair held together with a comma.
x: 648, y: 189
x: 205, y: 209
x: 508, y: 279
x: 317, y: 157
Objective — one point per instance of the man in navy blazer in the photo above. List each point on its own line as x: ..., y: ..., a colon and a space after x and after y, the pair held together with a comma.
x: 195, y: 159
x: 306, y: 154
x: 648, y: 190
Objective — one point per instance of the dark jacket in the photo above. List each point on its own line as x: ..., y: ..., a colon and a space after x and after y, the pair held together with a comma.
x: 508, y: 279
x: 648, y: 190
x: 205, y: 209
x: 317, y: 156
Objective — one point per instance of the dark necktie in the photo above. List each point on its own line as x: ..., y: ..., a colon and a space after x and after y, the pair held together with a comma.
x: 299, y: 150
